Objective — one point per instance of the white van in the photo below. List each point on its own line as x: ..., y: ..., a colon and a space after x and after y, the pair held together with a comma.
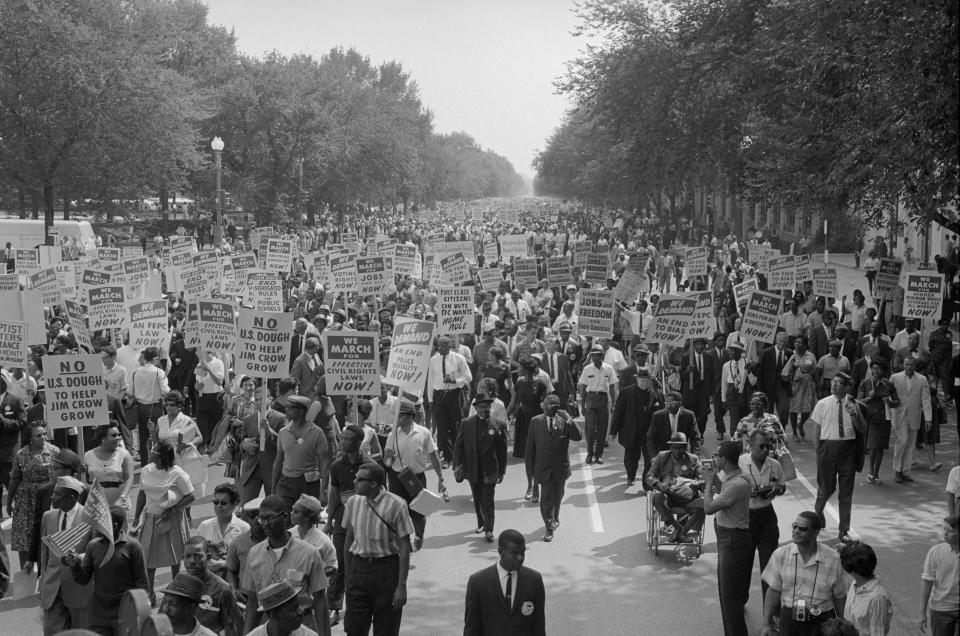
x: 28, y: 233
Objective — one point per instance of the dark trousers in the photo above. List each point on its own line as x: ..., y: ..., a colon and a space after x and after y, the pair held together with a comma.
x: 370, y: 585
x: 146, y: 413
x: 700, y: 405
x: 632, y: 456
x: 764, y: 538
x: 290, y: 488
x: 446, y: 418
x: 944, y: 623
x: 719, y: 410
x: 734, y: 569
x: 736, y: 406
x: 836, y: 468
x: 483, y: 503
x: 336, y: 586
x: 665, y: 505
x: 551, y: 495
x: 209, y: 412
x: 778, y: 403
x: 789, y: 627
x: 596, y: 414
x: 396, y: 487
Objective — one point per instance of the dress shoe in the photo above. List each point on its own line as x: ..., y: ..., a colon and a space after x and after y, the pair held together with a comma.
x: 536, y: 498
x: 417, y: 543
x: 598, y: 460
x: 906, y: 477
x: 548, y: 536
x: 334, y: 617
x: 936, y: 467
x: 589, y: 459
x: 488, y: 536
x: 556, y: 524
x: 529, y: 494
x: 898, y: 477
x: 630, y: 482
x: 479, y: 529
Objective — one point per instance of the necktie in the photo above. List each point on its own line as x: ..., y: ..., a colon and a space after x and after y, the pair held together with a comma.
x: 700, y: 366
x: 63, y: 524
x: 509, y: 593
x: 779, y: 360
x: 840, y: 417
x: 735, y: 368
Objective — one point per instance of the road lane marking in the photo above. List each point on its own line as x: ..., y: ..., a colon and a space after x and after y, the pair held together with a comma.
x: 596, y: 521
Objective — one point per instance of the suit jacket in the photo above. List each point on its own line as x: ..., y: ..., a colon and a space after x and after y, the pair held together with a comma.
x: 296, y: 348
x: 306, y: 379
x: 769, y: 373
x: 859, y: 371
x: 819, y: 340
x: 884, y: 350
x: 564, y: 387
x: 481, y: 455
x: 632, y: 415
x: 659, y: 433
x: 57, y: 578
x: 547, y: 454
x: 915, y: 402
x: 694, y: 389
x: 719, y: 357
x: 487, y: 613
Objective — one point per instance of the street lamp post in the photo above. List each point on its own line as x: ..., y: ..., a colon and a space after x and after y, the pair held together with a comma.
x: 217, y: 146
x: 300, y: 197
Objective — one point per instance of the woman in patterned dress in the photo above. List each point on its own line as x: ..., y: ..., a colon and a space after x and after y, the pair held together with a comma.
x: 31, y: 470
x: 759, y: 419
x: 799, y: 371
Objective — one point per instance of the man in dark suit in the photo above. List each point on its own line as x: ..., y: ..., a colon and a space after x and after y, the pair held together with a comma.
x: 877, y: 337
x: 632, y: 415
x: 547, y: 458
x: 628, y: 376
x: 557, y: 366
x: 696, y: 375
x: 298, y: 340
x: 821, y: 335
x: 572, y: 347
x: 506, y: 598
x: 719, y: 355
x: 851, y: 348
x: 480, y: 457
x: 770, y: 381
x: 666, y: 422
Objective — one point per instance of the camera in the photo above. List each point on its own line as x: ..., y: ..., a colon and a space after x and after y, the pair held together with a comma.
x: 707, y: 464
x: 800, y: 611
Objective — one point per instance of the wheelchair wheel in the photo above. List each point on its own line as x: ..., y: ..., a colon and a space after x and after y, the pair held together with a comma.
x: 653, y: 527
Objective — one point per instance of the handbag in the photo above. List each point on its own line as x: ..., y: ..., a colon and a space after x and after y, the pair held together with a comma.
x: 406, y: 476
x: 786, y: 462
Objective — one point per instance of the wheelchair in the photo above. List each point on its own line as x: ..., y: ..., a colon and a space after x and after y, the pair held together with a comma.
x: 658, y: 536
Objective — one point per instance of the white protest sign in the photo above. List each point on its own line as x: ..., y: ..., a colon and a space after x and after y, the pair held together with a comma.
x: 264, y: 350
x: 410, y: 354
x: 454, y: 310
x: 45, y: 281
x: 742, y: 291
x: 455, y: 268
x: 351, y: 362
x: 372, y: 275
x: 264, y: 291
x: 109, y: 254
x: 596, y: 269
x: 513, y: 245
x: 191, y: 330
x: 217, y: 326
x: 888, y: 277
x: 9, y: 282
x: 13, y: 345
x: 825, y: 282
x: 343, y: 273
x: 695, y: 261
x: 279, y: 255
x: 923, y: 296
x: 558, y: 271
x: 405, y: 259
x: 490, y: 278
x: 136, y: 272
x: 148, y: 323
x: 525, y: 273
x: 26, y: 261
x: 106, y: 307
x: 703, y: 324
x: 194, y: 282
x: 761, y: 317
x: 596, y: 313
x: 802, y: 265
x: 490, y: 251
x: 780, y: 273
x: 672, y: 319
x: 76, y: 392
x: 67, y: 279
x: 78, y: 323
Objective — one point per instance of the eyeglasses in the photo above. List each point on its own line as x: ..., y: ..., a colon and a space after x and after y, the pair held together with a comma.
x: 799, y: 528
x: 267, y: 519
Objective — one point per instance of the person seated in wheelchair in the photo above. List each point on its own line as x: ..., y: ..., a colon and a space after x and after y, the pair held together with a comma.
x: 676, y: 477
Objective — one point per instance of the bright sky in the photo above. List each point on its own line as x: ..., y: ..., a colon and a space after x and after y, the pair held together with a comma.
x: 485, y: 67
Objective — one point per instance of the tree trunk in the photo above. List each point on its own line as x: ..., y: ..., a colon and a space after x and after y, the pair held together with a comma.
x: 164, y: 205
x: 34, y: 205
x: 66, y: 207
x: 22, y: 201
x: 48, y: 212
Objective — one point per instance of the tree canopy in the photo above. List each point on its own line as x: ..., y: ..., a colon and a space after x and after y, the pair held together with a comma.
x: 825, y: 105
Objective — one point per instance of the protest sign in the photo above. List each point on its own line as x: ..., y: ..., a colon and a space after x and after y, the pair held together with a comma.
x: 343, y: 273
x: 78, y: 323
x: 106, y: 307
x: 26, y: 261
x: 558, y: 271
x: 672, y: 320
x: 467, y: 248
x: 509, y: 217
x: 45, y: 281
x: 217, y: 326
x: 742, y: 291
x: 581, y: 253
x: 9, y: 282
x: 131, y: 251
x: 183, y: 244
x: 264, y: 350
x: 525, y: 273
x: 109, y: 254
x: 825, y: 282
x: 264, y: 290
x: 780, y: 273
x: 490, y: 278
x: 404, y: 260
x: 761, y: 317
x: 695, y: 261
x: 351, y: 363
x: 279, y: 255
x: 372, y: 275
x: 136, y: 272
x: 596, y: 313
x: 76, y: 392
x: 209, y: 262
x: 455, y: 268
x: 596, y: 269
x: 13, y: 345
x: 191, y: 331
x: 194, y: 282
x: 410, y: 354
x: 703, y: 324
x: 455, y: 310
x: 148, y: 322
x: 241, y: 265
x: 802, y: 266
x: 351, y: 242
x: 888, y: 277
x: 923, y: 296
x: 513, y: 245
x: 49, y: 255
x: 490, y: 251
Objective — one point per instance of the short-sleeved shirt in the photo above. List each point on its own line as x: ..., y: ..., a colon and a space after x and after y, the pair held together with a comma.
x: 302, y: 454
x: 817, y: 581
x: 735, y: 495
x: 297, y: 561
x: 218, y: 607
x: 237, y: 554
x: 372, y: 537
x: 953, y: 481
x: 598, y: 379
x: 771, y: 474
x: 411, y: 450
x: 941, y: 568
x: 156, y: 482
x: 219, y: 541
x: 324, y: 545
x: 825, y: 414
x: 342, y: 476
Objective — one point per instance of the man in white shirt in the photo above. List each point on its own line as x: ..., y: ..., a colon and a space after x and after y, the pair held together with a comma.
x: 209, y: 373
x: 517, y: 306
x: 149, y: 385
x: 113, y: 374
x: 384, y: 409
x: 598, y: 393
x: 734, y: 387
x: 447, y: 375
x: 612, y: 355
x: 902, y: 339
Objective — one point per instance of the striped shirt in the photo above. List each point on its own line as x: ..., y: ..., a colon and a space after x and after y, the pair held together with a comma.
x: 371, y: 536
x: 817, y: 581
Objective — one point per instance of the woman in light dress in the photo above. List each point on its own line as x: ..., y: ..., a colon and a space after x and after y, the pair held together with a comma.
x: 112, y: 464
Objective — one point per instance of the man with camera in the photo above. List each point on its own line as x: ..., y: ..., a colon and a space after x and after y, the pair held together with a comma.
x: 675, y: 476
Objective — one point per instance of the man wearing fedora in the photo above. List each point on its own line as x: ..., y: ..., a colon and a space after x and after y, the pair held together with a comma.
x: 63, y: 600
x: 667, y: 421
x: 181, y: 598
x: 506, y: 598
x: 674, y: 475
x: 598, y: 392
x: 480, y: 457
x: 734, y: 387
x: 632, y: 416
x: 284, y: 617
